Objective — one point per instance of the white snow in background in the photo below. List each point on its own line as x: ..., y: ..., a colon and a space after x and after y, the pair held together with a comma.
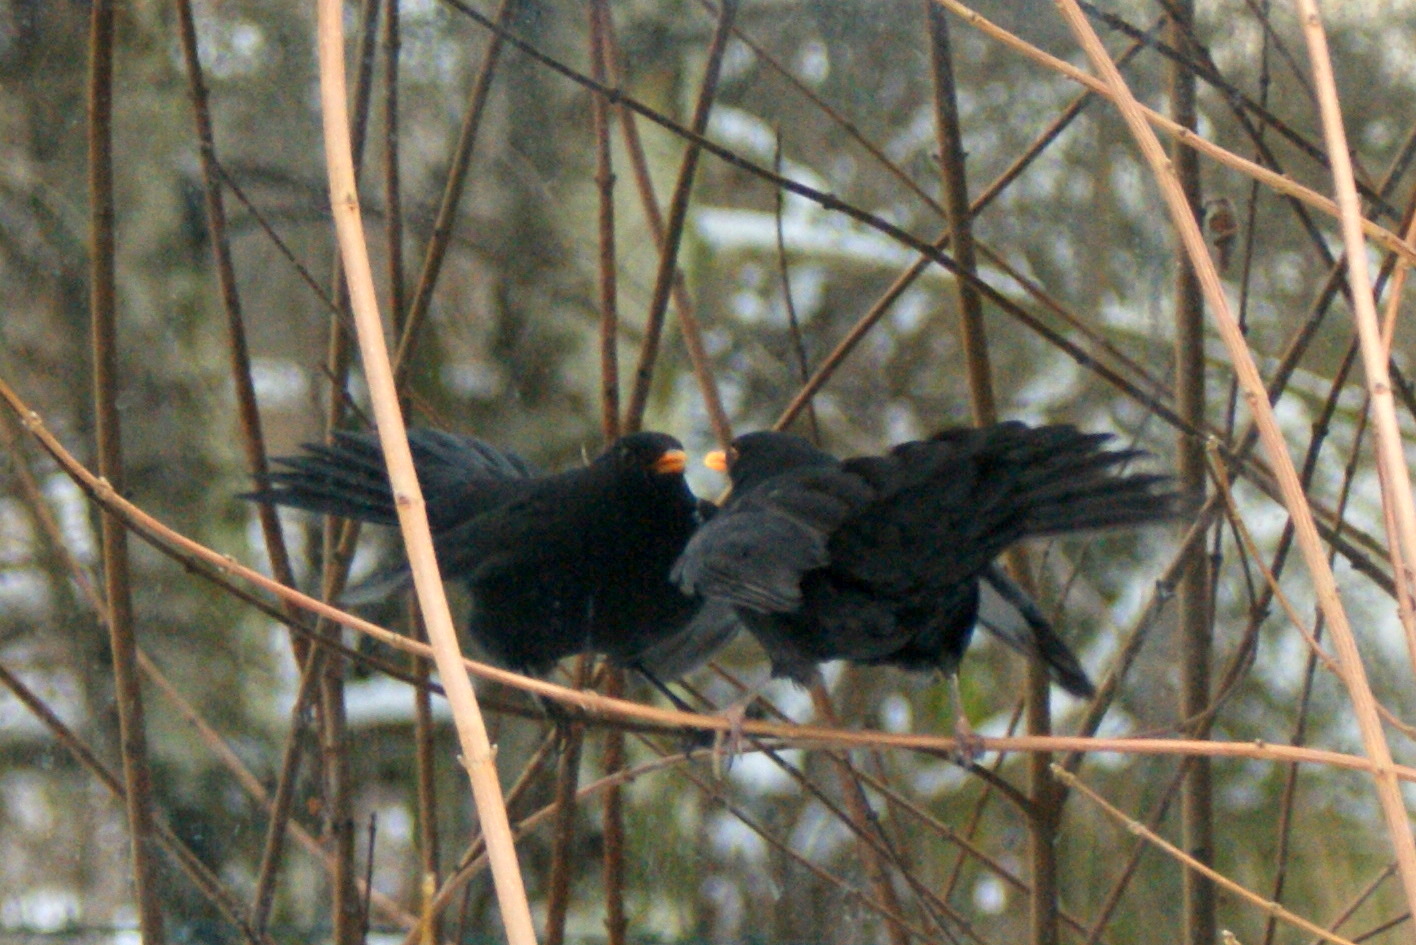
x: 990, y: 895
x: 279, y: 382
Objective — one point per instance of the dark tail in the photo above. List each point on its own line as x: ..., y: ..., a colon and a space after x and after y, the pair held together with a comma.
x: 345, y: 477
x: 1020, y: 624
x: 1067, y: 481
x: 459, y: 476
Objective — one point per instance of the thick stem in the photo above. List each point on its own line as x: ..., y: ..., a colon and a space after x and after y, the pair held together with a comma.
x: 1193, y: 591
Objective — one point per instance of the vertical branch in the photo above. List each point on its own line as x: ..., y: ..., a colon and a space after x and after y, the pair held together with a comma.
x: 605, y: 182
x: 335, y: 744
x: 201, y: 876
x: 616, y: 921
x: 784, y: 272
x: 393, y: 189
x: 847, y: 344
x: 1324, y: 584
x: 956, y: 202
x: 477, y: 754
x: 364, y: 79
x: 683, y: 305
x: 1046, y: 794
x: 458, y: 169
x: 338, y: 798
x: 1193, y: 590
x: 425, y: 754
x: 673, y: 230
x: 863, y: 823
x: 424, y: 726
x: 283, y: 798
x: 1397, y: 501
x: 562, y: 872
x: 103, y: 299
x: 252, y: 438
x: 368, y: 885
x: 612, y: 809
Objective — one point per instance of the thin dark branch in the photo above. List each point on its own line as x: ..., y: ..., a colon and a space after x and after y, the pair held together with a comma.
x: 674, y: 224
x: 191, y: 865
x: 1193, y: 595
x: 458, y: 169
x: 247, y: 410
x: 784, y: 273
x: 609, y: 263
x: 1185, y: 55
x: 283, y: 799
x: 368, y: 877
x: 683, y: 304
x: 563, y: 860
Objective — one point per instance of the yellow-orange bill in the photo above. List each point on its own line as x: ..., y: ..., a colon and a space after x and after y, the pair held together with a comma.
x: 717, y: 461
x: 673, y: 461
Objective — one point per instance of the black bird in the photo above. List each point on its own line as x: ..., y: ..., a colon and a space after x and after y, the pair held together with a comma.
x: 881, y: 559
x: 555, y: 564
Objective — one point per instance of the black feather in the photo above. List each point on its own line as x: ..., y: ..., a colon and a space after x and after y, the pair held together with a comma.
x: 878, y: 559
x: 555, y: 564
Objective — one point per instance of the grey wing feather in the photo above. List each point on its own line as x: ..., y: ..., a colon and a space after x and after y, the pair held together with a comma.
x: 755, y: 551
x: 751, y: 558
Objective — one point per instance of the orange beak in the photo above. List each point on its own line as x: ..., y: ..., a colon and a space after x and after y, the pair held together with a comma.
x: 673, y: 461
x: 717, y: 461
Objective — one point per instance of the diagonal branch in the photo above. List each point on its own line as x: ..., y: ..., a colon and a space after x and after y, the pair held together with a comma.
x: 478, y: 756
x: 1324, y: 584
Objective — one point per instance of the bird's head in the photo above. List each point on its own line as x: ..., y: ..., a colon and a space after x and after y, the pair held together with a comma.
x: 656, y: 454
x: 755, y: 457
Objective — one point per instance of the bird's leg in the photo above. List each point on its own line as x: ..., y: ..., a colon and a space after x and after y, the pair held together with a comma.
x: 728, y: 742
x: 725, y: 742
x: 693, y: 738
x: 969, y: 746
x: 558, y: 717
x: 664, y: 689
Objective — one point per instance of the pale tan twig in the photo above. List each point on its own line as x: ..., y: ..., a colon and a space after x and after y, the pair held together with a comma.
x: 1220, y: 477
x: 1275, y: 181
x: 801, y: 736
x: 1392, y: 472
x: 1140, y: 830
x: 478, y: 756
x: 1354, y: 674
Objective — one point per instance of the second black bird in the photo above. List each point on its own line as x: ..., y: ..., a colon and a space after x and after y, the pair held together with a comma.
x: 883, y: 559
x: 555, y: 564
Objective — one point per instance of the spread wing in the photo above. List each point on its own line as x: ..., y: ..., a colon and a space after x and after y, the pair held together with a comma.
x: 755, y: 552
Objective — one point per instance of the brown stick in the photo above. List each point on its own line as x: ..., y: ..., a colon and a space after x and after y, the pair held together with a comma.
x: 599, y: 706
x: 673, y: 228
x: 1193, y: 589
x: 452, y: 196
x: 202, y: 877
x: 562, y: 871
x: 248, y: 414
x: 137, y: 776
x: 612, y: 807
